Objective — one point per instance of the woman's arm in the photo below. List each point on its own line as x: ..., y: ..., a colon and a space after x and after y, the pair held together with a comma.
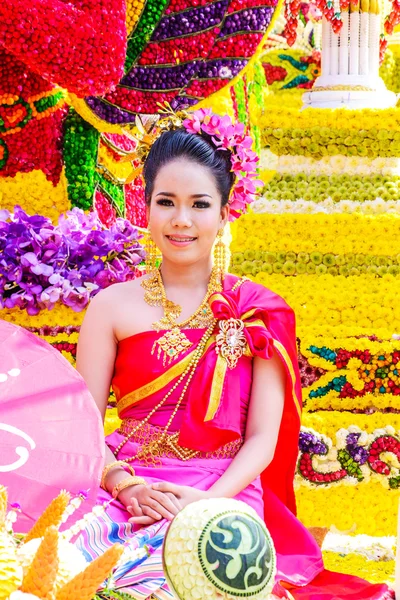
x: 262, y: 429
x: 97, y: 349
x: 78, y: 45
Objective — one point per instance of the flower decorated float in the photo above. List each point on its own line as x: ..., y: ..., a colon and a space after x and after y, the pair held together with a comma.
x: 324, y: 235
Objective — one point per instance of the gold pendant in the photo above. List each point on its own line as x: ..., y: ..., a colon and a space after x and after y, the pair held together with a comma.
x: 171, y: 344
x: 231, y: 341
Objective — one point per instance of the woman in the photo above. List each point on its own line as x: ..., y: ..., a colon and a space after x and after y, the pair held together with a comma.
x: 203, y: 365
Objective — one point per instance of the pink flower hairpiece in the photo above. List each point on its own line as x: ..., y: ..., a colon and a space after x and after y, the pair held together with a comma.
x: 227, y: 135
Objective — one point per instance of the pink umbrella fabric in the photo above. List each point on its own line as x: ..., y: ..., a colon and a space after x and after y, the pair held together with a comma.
x: 51, y: 434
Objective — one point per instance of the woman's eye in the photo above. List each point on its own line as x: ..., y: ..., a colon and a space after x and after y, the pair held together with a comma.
x: 165, y: 202
x: 202, y: 204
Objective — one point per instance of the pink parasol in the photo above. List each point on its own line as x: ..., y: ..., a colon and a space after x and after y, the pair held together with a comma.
x: 51, y: 435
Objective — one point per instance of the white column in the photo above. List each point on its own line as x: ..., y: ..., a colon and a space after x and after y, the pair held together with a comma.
x: 334, y: 54
x: 326, y: 46
x: 364, y: 38
x: 354, y: 38
x: 344, y: 45
x: 374, y: 35
x: 350, y: 62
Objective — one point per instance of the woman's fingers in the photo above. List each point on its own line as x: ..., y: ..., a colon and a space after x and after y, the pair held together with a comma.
x: 134, y: 508
x: 166, y: 486
x: 150, y: 512
x: 141, y: 520
x: 175, y: 500
x: 159, y: 507
x: 162, y: 500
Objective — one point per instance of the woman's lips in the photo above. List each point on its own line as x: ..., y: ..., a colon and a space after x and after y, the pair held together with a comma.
x: 180, y: 241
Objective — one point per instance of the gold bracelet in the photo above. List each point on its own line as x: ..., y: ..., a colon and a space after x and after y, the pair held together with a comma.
x: 127, y: 482
x: 107, y: 468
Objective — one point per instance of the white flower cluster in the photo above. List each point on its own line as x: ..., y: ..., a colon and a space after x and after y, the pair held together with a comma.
x: 335, y: 165
x: 328, y: 206
x: 368, y: 546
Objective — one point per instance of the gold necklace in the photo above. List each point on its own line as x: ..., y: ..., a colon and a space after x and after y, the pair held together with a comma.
x: 173, y: 342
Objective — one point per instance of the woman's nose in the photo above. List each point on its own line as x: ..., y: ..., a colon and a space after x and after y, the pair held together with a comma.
x: 182, y: 218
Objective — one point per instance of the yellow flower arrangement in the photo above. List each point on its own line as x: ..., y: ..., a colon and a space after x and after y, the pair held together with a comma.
x: 379, y: 366
x: 337, y: 233
x: 133, y: 11
x: 350, y: 506
x: 61, y: 315
x: 352, y: 306
x: 112, y: 421
x: 285, y: 115
x: 353, y: 564
x: 361, y: 508
x: 329, y: 423
x: 35, y: 194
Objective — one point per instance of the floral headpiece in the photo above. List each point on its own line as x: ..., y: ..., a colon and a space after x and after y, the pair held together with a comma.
x: 225, y: 135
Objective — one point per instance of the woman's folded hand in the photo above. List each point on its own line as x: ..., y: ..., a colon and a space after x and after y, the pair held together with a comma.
x: 184, y: 493
x: 147, y: 505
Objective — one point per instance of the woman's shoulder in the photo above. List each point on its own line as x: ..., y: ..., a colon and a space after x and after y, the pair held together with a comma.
x: 255, y: 295
x: 117, y: 294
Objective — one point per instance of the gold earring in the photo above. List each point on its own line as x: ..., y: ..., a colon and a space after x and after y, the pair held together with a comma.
x: 151, y: 253
x: 220, y: 254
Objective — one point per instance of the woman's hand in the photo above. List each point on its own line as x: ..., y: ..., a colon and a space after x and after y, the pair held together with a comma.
x: 147, y: 505
x: 185, y: 494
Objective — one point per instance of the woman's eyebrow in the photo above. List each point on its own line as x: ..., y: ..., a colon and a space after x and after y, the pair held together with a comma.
x: 172, y: 195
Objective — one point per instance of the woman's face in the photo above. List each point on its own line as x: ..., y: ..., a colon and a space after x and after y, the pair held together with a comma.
x: 185, y: 212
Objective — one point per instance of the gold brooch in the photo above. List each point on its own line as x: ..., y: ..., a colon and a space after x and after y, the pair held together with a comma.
x: 172, y: 343
x: 231, y: 341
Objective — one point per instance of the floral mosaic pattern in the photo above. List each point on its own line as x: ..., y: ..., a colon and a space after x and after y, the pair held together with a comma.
x: 357, y: 455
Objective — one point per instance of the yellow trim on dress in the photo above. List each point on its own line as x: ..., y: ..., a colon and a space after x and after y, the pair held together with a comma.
x: 156, y: 385
x: 216, y: 388
x: 286, y: 358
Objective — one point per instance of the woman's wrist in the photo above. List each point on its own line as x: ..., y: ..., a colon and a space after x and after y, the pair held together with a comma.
x: 117, y: 465
x: 114, y: 477
x: 125, y: 495
x: 128, y: 482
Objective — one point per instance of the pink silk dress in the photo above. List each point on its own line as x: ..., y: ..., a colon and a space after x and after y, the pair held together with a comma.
x: 211, y: 421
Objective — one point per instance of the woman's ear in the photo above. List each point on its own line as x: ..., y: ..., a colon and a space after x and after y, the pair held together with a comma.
x: 224, y: 215
x: 147, y: 213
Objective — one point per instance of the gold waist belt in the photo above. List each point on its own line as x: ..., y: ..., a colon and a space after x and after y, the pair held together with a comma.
x: 147, y: 435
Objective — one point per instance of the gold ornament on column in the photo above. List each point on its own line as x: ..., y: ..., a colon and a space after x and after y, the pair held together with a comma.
x: 152, y: 253
x: 220, y: 255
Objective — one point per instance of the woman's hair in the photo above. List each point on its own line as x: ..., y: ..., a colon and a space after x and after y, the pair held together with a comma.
x: 179, y: 143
